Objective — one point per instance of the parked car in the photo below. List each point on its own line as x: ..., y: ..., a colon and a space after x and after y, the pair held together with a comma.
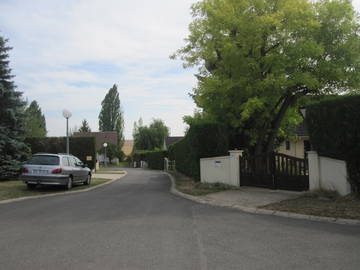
x: 55, y: 169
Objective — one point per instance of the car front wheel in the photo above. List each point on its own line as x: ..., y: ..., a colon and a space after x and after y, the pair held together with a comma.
x: 88, y: 180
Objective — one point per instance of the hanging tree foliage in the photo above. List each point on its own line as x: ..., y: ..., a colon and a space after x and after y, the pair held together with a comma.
x: 256, y: 58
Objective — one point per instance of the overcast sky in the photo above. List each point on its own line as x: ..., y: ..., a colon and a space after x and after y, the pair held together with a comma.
x: 69, y: 53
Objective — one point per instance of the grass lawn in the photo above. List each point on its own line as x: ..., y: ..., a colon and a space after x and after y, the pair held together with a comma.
x: 109, y: 172
x: 16, y: 189
x: 321, y: 204
x: 191, y: 187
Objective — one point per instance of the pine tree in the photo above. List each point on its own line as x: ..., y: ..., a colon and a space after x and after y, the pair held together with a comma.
x: 35, y: 124
x: 111, y: 115
x: 84, y: 126
x: 12, y: 148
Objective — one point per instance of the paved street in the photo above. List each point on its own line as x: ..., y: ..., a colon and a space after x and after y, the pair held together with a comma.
x: 136, y: 223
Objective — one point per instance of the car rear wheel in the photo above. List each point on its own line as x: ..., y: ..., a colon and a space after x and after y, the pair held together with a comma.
x: 31, y: 186
x: 69, y: 184
x: 88, y: 180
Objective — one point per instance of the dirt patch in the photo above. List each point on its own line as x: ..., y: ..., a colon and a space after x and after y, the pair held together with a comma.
x: 320, y: 204
x: 189, y: 186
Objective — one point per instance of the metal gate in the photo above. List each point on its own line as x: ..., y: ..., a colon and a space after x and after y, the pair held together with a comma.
x: 274, y: 170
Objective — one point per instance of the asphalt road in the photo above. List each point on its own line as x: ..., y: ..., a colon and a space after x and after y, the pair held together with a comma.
x: 135, y: 223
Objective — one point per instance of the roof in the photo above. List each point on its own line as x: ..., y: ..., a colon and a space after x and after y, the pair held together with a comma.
x: 100, y: 137
x: 172, y: 140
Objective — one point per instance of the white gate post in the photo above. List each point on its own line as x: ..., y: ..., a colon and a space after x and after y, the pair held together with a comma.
x: 314, y: 170
x: 235, y: 166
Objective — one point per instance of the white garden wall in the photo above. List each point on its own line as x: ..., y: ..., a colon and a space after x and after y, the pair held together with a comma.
x: 221, y: 169
x: 328, y: 174
x: 215, y: 170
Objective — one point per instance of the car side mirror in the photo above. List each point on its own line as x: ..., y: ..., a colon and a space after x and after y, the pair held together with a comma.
x: 79, y: 164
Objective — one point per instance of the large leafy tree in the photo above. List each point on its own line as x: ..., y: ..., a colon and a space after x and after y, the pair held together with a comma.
x: 150, y: 137
x: 111, y: 116
x: 85, y: 126
x: 256, y: 59
x: 35, y: 124
x: 12, y: 149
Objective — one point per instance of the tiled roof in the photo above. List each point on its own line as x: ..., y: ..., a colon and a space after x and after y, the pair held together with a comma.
x: 171, y: 140
x: 301, y: 129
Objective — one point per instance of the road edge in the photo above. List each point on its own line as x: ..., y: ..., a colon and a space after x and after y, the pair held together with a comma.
x: 253, y: 210
x: 62, y: 193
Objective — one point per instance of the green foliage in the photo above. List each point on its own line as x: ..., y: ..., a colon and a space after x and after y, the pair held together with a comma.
x: 12, y: 149
x: 151, y: 137
x: 35, y: 124
x: 202, y: 140
x: 85, y: 126
x: 80, y: 147
x: 111, y: 116
x: 112, y: 151
x: 154, y: 159
x: 334, y: 127
x: 257, y: 58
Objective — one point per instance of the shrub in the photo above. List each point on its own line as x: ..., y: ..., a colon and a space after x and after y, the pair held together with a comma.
x: 202, y: 140
x: 80, y: 147
x: 154, y: 158
x: 334, y: 127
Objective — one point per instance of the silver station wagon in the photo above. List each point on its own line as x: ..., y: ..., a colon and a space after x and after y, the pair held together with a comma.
x: 55, y: 169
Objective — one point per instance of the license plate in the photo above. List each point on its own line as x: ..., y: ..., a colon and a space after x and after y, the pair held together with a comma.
x: 40, y: 171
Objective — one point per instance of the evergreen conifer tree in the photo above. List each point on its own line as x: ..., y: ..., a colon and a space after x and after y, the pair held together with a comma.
x: 12, y: 148
x: 84, y: 126
x: 35, y: 125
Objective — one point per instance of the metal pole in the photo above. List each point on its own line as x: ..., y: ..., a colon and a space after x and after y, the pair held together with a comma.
x: 105, y: 156
x: 67, y: 135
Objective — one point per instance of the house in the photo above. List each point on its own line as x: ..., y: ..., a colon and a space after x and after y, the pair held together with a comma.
x: 128, y: 147
x: 171, y: 140
x: 299, y: 146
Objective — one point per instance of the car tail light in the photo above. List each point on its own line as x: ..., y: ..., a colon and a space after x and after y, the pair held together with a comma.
x: 25, y: 170
x: 58, y: 170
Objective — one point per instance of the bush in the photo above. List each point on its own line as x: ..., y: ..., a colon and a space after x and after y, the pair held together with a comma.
x: 202, y: 140
x: 80, y: 147
x: 154, y: 158
x: 334, y: 127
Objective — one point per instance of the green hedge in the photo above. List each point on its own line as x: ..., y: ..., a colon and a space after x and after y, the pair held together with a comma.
x: 202, y: 140
x: 80, y: 147
x: 154, y: 159
x: 334, y: 127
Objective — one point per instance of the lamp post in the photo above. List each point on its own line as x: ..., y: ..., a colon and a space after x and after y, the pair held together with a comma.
x: 105, y: 145
x: 67, y: 114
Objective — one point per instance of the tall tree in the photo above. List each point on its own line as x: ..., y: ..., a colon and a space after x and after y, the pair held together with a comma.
x: 12, y: 149
x: 256, y: 58
x: 84, y: 126
x: 35, y: 124
x: 150, y: 137
x: 111, y: 116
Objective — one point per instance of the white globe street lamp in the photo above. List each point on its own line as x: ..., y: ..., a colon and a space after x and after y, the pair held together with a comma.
x: 105, y: 145
x: 67, y: 114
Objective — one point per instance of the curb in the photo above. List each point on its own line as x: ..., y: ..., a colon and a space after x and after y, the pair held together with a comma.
x: 62, y: 193
x: 254, y: 210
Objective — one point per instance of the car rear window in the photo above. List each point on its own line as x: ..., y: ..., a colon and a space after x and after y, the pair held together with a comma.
x: 44, y: 160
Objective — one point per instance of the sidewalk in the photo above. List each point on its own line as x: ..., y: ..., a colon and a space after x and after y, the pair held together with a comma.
x: 250, y: 199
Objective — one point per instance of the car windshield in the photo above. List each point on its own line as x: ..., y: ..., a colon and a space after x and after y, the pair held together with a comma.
x: 44, y: 160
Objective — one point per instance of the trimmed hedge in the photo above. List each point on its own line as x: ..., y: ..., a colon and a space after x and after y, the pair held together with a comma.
x: 202, y: 140
x: 334, y: 127
x: 80, y: 147
x: 154, y: 158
